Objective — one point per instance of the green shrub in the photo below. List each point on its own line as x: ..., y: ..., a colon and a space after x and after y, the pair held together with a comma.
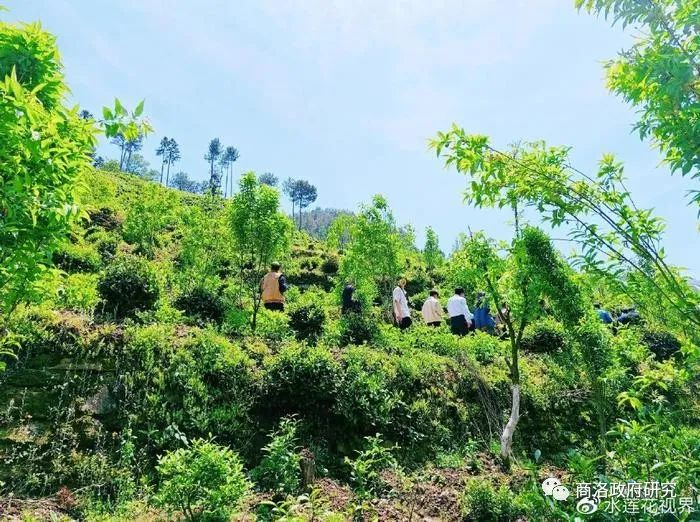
x: 358, y: 328
x: 279, y: 470
x: 201, y: 303
x: 366, y: 395
x: 273, y: 326
x: 129, y: 285
x: 366, y: 468
x: 306, y: 319
x: 544, y: 336
x: 204, y: 481
x: 105, y: 218
x: 77, y: 257
x: 481, y: 502
x: 79, y: 292
x: 310, y: 263
x: 301, y: 380
x: 662, y: 344
x: 105, y: 243
x: 330, y: 265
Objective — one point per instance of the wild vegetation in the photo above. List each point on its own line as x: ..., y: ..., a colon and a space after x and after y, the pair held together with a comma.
x: 141, y: 379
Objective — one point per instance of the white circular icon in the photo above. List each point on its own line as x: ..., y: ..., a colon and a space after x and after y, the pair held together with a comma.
x: 549, y: 484
x: 586, y: 506
x: 560, y: 493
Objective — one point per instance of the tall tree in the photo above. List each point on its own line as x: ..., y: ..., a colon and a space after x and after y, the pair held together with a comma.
x: 268, y: 178
x: 289, y: 187
x: 162, y: 152
x: 432, y: 255
x: 530, y: 271
x: 617, y: 240
x: 213, y: 153
x: 230, y: 156
x: 127, y: 147
x: 306, y: 194
x: 182, y: 181
x: 374, y: 250
x: 172, y: 156
x: 261, y: 234
x: 660, y: 75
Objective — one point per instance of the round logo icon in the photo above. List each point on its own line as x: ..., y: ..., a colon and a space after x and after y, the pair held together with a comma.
x: 560, y: 493
x: 549, y: 484
x: 586, y: 506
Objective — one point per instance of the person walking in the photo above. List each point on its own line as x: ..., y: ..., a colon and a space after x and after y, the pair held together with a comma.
x: 603, y: 314
x: 458, y: 311
x: 273, y: 286
x: 402, y: 314
x: 432, y: 309
x: 348, y: 303
x: 482, y: 315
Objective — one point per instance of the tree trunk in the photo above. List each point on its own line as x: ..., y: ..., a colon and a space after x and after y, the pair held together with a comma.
x: 162, y: 165
x: 167, y: 176
x: 307, y: 464
x: 509, y: 430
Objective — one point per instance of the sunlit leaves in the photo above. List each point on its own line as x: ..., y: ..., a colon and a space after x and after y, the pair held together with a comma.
x: 614, y: 236
x: 118, y: 121
x: 660, y: 75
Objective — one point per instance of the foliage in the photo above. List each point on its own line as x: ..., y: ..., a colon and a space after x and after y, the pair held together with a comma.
x: 432, y: 255
x: 617, y: 240
x: 330, y: 265
x: 203, y: 481
x: 148, y: 218
x: 260, y: 234
x: 662, y: 344
x: 544, y: 336
x: 358, y: 328
x: 301, y: 193
x: 202, y: 303
x: 45, y: 147
x: 268, y: 178
x: 307, y: 319
x: 366, y: 467
x: 279, y: 470
x: 660, y: 75
x: 374, y: 251
x: 77, y: 257
x: 129, y: 285
x: 482, y: 502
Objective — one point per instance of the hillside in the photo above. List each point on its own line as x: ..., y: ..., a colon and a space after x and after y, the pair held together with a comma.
x: 398, y: 425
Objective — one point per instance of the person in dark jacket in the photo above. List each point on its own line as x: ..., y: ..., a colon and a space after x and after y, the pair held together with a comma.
x: 348, y: 303
x: 603, y: 314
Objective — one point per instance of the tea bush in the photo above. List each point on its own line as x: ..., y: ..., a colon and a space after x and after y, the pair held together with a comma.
x: 204, y: 482
x: 358, y: 328
x: 330, y: 265
x: 544, y: 336
x: 481, y: 502
x: 301, y: 380
x: 201, y: 303
x: 105, y: 243
x: 77, y: 257
x: 279, y: 469
x: 662, y: 344
x: 307, y: 319
x: 366, y: 467
x: 127, y: 286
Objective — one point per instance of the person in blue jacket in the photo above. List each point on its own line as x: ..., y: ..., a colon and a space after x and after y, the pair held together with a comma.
x: 482, y: 316
x: 603, y: 314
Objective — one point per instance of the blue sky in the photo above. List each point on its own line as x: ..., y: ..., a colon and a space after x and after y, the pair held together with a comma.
x: 347, y: 93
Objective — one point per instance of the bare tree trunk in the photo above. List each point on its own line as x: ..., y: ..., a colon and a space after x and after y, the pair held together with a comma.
x: 307, y: 463
x: 509, y: 430
x: 162, y: 165
x: 167, y: 176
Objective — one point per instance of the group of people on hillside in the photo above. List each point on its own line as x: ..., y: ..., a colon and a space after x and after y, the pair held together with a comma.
x: 461, y: 319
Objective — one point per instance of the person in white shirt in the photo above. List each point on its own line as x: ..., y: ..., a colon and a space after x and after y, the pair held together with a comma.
x: 402, y: 314
x: 460, y: 316
x: 432, y: 310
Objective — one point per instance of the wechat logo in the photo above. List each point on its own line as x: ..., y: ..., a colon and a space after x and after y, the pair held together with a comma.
x: 553, y: 487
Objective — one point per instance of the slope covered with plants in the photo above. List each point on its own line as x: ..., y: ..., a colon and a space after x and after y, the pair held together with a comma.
x: 142, y: 379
